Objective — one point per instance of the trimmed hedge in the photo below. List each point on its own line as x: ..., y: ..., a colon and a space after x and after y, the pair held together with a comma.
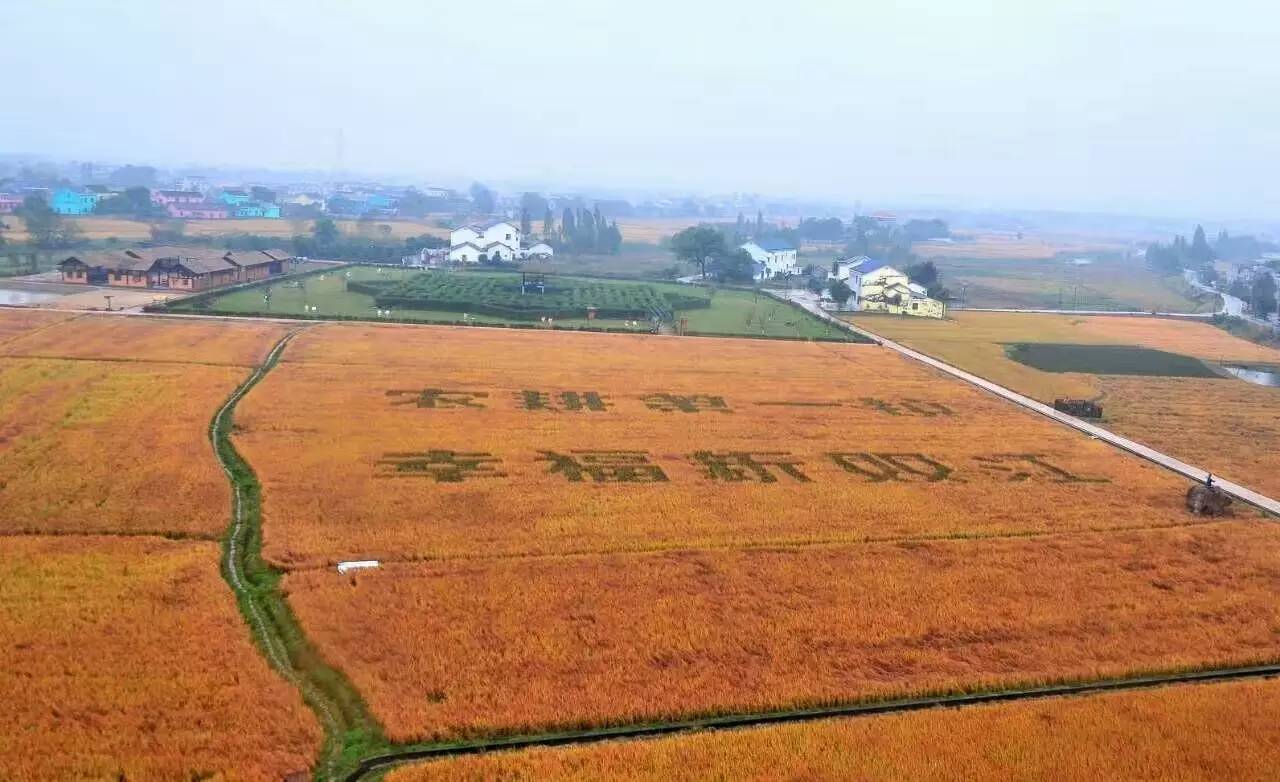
x: 500, y: 296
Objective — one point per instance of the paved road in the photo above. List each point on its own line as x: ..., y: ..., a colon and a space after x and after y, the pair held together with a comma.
x: 1245, y: 494
x: 1130, y: 313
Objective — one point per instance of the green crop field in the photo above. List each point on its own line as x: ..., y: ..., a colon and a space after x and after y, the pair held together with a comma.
x: 728, y: 312
x: 1112, y: 285
x: 1107, y: 360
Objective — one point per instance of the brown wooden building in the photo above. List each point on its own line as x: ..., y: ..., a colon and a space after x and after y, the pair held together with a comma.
x: 174, y: 268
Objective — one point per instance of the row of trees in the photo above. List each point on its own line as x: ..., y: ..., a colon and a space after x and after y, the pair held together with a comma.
x: 705, y: 247
x: 1180, y: 254
x: 327, y: 241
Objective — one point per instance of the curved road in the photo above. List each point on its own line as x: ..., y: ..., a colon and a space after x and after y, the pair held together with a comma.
x: 810, y: 303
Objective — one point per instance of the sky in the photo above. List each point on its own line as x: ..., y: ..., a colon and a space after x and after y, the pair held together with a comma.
x: 1162, y: 108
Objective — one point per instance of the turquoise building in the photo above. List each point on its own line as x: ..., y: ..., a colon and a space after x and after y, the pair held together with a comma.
x: 73, y: 202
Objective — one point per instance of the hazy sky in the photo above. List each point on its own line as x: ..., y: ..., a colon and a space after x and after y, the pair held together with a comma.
x: 1167, y: 107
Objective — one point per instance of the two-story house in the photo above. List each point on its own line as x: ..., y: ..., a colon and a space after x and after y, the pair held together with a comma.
x: 882, y: 288
x: 497, y: 241
x: 773, y: 257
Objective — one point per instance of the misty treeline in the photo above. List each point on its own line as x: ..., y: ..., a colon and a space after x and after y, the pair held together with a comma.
x: 373, y: 243
x: 578, y: 231
x: 1256, y: 287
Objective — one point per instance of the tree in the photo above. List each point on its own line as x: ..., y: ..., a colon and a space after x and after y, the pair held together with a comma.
x: 482, y: 197
x: 759, y: 224
x: 568, y: 227
x: 737, y: 266
x: 920, y: 230
x: 1263, y: 295
x: 698, y: 245
x: 44, y: 225
x: 134, y: 201
x: 830, y: 229
x: 133, y: 176
x: 548, y: 224
x: 839, y: 291
x: 1200, y: 252
x: 526, y: 226
x: 325, y: 232
x: 262, y: 194
x: 533, y: 203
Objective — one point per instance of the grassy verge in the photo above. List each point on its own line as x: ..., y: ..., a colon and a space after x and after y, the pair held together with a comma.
x: 350, y: 732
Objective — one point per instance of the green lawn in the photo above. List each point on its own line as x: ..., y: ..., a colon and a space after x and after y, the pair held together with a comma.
x: 733, y: 312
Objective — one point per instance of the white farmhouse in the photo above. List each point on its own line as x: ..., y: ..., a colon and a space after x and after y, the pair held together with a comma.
x: 496, y: 241
x: 773, y: 258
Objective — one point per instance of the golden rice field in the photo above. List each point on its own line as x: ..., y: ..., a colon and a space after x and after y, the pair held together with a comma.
x: 449, y: 649
x: 784, y: 443
x: 1207, y: 732
x: 124, y: 338
x: 102, y: 446
x: 125, y: 658
x: 652, y: 230
x: 1228, y: 426
x: 1011, y: 247
x: 16, y: 322
x: 1224, y: 425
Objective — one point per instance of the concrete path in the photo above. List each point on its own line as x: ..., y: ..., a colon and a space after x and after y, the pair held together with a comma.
x: 1127, y: 313
x: 1242, y: 493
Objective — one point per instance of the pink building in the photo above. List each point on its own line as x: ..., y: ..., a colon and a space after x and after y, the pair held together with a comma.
x: 172, y: 197
x: 9, y: 203
x: 199, y: 211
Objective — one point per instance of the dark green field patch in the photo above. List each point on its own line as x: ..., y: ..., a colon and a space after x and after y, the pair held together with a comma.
x: 1107, y: 360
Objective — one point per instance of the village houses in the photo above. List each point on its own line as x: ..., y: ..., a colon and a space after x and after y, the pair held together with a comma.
x: 878, y: 287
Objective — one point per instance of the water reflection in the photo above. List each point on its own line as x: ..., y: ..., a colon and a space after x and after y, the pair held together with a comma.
x: 1262, y: 376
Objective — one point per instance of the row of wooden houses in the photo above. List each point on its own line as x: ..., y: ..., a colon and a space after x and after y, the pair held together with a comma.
x: 173, y: 268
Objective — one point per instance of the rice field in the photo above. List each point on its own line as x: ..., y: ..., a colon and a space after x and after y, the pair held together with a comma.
x: 125, y: 658
x: 103, y: 421
x: 101, y: 446
x: 124, y: 338
x: 1207, y: 732
x: 427, y: 443
x: 525, y: 645
x: 1225, y: 425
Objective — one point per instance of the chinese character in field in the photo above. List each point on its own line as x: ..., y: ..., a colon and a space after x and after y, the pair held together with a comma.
x: 604, y: 466
x: 572, y: 401
x: 737, y: 466
x: 882, y: 467
x: 913, y: 407
x: 1026, y: 466
x: 926, y: 408
x: 689, y: 403
x: 440, y: 466
x: 437, y: 398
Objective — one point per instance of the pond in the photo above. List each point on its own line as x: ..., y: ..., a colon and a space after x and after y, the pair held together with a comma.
x: 1262, y: 376
x: 27, y: 298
